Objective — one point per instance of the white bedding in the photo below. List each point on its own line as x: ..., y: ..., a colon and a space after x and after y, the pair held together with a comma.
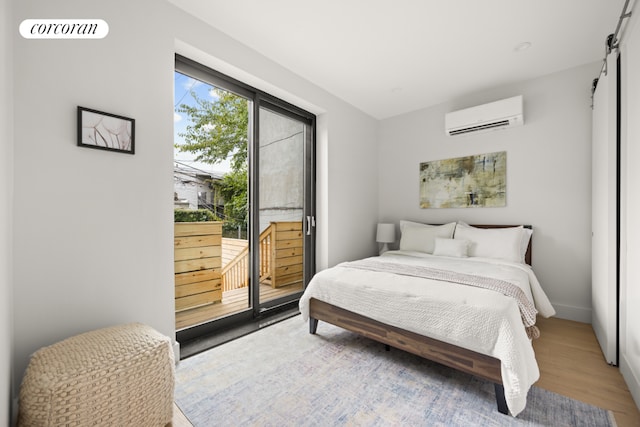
x: 474, y: 318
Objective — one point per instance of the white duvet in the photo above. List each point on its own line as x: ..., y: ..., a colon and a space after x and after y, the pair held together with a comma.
x: 474, y: 318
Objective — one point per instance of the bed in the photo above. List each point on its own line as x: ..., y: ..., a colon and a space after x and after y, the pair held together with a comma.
x: 424, y: 299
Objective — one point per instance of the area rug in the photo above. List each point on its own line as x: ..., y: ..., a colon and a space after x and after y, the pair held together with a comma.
x: 284, y: 376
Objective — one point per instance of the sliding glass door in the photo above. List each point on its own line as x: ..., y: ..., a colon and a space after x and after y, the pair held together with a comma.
x: 284, y: 140
x: 211, y: 246
x: 249, y: 159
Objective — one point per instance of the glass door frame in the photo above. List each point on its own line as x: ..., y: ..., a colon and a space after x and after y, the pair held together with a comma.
x: 278, y: 106
x: 260, y: 99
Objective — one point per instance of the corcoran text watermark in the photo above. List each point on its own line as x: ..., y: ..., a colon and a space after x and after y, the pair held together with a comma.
x: 64, y: 29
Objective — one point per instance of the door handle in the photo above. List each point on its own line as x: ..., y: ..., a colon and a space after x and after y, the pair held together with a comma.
x: 311, y: 222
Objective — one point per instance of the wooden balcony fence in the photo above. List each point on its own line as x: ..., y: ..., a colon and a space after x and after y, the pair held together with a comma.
x: 203, y: 270
x: 197, y: 263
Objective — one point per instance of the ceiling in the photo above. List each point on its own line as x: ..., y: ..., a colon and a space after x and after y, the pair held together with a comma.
x: 390, y: 57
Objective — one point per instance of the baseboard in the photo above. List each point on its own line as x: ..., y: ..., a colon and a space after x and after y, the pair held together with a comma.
x: 630, y: 377
x: 176, y: 352
x: 577, y: 314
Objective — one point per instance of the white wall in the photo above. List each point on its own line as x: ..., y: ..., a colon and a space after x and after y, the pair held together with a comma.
x: 548, y: 176
x: 99, y: 264
x: 352, y: 176
x: 630, y: 207
x: 93, y: 229
x: 6, y: 208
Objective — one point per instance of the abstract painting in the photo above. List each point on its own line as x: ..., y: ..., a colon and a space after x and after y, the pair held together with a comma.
x: 464, y: 182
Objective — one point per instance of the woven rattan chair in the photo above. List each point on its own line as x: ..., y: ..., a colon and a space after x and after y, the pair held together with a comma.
x: 118, y: 376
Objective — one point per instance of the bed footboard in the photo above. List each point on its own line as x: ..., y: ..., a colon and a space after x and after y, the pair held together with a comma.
x: 459, y: 358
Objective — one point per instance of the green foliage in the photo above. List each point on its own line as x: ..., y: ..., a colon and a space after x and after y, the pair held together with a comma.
x: 193, y: 215
x: 233, y: 189
x: 219, y: 129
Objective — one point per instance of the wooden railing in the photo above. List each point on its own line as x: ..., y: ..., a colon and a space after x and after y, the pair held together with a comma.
x: 200, y: 277
x: 265, y: 253
x: 235, y: 274
x: 280, y: 247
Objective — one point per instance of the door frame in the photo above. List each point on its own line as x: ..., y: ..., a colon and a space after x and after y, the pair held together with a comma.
x: 260, y: 99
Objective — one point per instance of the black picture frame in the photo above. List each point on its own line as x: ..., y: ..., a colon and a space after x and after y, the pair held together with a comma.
x: 105, y: 131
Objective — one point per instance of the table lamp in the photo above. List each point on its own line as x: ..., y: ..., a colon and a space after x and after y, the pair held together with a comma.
x: 386, y: 234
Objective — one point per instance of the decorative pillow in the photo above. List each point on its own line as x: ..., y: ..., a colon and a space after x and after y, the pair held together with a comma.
x: 421, y: 237
x: 451, y: 247
x: 499, y: 243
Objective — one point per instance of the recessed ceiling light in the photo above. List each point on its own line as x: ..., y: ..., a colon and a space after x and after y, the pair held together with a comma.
x: 522, y: 46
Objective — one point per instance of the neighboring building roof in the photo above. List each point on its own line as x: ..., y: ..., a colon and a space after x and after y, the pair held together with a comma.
x: 180, y: 168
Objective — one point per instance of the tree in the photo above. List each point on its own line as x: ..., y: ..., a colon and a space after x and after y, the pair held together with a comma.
x: 219, y: 131
x: 233, y: 189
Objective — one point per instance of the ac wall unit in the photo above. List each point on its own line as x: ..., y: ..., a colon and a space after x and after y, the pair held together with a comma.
x: 494, y: 115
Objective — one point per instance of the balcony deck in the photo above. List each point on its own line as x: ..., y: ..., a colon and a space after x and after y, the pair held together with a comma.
x: 232, y: 301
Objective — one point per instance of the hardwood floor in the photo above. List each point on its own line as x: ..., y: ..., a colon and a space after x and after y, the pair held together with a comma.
x: 571, y: 364
x: 179, y: 419
x: 232, y: 302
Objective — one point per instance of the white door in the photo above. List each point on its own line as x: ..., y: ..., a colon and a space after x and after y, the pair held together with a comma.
x: 605, y: 213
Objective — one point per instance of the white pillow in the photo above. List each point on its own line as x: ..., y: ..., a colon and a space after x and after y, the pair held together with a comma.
x: 499, y: 243
x: 449, y: 226
x: 451, y: 247
x: 526, y: 236
x: 421, y: 237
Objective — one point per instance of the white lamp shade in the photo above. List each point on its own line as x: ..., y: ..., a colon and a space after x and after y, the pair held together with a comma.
x: 386, y: 233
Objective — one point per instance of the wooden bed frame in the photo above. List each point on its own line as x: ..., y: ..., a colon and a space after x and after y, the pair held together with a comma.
x: 459, y: 358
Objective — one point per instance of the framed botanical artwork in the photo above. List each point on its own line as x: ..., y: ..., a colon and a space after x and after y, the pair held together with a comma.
x: 464, y: 182
x: 105, y: 131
